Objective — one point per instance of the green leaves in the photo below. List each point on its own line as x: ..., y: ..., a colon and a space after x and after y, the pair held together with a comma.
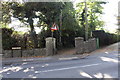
x: 93, y: 14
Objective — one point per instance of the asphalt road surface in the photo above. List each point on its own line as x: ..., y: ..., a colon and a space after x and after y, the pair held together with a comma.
x: 100, y: 64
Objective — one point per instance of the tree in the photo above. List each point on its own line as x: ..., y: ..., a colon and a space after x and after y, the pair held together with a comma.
x: 93, y: 15
x: 6, y: 13
x: 70, y: 26
x: 28, y: 11
x: 7, y: 40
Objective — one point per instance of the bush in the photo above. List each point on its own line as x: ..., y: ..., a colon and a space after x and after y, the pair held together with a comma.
x: 105, y: 38
x: 7, y: 40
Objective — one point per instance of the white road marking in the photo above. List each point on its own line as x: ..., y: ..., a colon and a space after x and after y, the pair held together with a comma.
x: 68, y: 58
x: 66, y: 68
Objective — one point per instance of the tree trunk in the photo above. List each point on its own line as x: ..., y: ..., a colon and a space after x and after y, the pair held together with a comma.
x: 33, y: 33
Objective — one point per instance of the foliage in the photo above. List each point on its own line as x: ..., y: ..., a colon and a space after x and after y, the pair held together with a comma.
x: 70, y: 27
x: 106, y: 38
x: 94, y: 12
x: 44, y: 11
x: 73, y: 21
x: 7, y: 40
x: 11, y: 38
x: 6, y: 12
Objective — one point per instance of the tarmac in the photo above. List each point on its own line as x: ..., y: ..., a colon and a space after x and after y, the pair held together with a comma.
x: 54, y: 58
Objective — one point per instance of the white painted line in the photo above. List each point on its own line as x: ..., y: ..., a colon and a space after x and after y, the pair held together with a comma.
x: 69, y: 58
x: 66, y: 68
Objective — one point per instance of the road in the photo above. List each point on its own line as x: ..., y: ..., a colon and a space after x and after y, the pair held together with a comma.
x: 100, y: 64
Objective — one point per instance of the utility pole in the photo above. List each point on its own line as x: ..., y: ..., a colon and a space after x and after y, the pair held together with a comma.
x: 86, y: 22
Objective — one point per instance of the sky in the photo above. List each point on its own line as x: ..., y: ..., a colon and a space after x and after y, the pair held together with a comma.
x: 110, y: 17
x: 110, y: 14
x: 18, y: 26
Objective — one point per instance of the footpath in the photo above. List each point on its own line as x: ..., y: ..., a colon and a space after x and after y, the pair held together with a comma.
x: 68, y: 54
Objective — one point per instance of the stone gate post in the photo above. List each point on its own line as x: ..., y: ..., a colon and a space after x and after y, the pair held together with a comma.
x: 50, y: 46
x: 79, y: 45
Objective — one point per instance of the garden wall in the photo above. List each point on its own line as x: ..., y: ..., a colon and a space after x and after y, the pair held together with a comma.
x: 82, y: 46
x: 24, y: 53
x: 17, y: 52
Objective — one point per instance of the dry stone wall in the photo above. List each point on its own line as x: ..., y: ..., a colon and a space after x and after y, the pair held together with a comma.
x: 82, y: 46
x: 24, y: 53
x: 48, y: 51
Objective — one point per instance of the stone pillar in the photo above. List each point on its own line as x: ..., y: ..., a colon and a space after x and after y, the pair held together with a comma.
x: 50, y: 46
x: 79, y: 45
